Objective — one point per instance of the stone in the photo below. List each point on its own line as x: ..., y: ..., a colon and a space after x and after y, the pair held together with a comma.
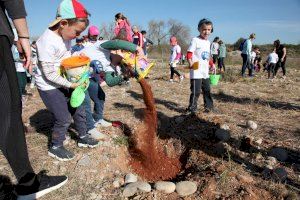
x: 279, y: 153
x: 130, y: 190
x: 165, y: 186
x: 271, y: 161
x: 84, y: 161
x: 245, y: 178
x: 259, y: 141
x: 143, y: 186
x: 251, y: 124
x: 130, y: 178
x: 225, y: 127
x: 279, y: 174
x: 185, y: 188
x: 222, y: 135
x: 116, y: 183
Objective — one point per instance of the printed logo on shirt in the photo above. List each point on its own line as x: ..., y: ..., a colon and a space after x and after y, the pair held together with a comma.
x: 205, y: 55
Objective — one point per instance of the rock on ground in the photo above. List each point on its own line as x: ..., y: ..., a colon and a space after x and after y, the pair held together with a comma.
x: 130, y: 190
x: 251, y: 124
x: 130, y: 178
x: 185, y: 188
x: 165, y: 187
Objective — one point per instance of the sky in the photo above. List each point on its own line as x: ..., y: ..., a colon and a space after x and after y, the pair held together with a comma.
x: 269, y: 19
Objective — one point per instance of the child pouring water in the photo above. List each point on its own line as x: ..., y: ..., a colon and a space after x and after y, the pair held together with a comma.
x: 52, y: 47
x: 198, y: 58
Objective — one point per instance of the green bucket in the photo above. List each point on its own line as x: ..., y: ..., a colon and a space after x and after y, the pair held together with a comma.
x: 214, y: 79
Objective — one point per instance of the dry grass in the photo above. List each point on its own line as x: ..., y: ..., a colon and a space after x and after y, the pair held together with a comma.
x: 274, y: 105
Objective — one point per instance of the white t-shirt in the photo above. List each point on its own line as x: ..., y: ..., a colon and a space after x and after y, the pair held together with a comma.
x: 273, y: 58
x: 215, y: 48
x: 174, y: 51
x: 53, y: 49
x: 252, y: 56
x: 200, y: 49
x: 95, y: 52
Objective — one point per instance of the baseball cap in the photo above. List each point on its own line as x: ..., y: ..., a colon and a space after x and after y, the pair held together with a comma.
x: 69, y: 9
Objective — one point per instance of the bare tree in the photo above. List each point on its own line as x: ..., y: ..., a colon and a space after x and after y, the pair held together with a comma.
x: 107, y: 30
x: 180, y: 31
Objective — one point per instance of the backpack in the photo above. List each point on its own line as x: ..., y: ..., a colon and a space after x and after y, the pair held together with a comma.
x: 241, y: 47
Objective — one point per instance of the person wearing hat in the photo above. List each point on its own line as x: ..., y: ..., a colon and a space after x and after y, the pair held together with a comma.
x: 246, y: 55
x: 12, y: 138
x: 92, y: 37
x: 53, y: 46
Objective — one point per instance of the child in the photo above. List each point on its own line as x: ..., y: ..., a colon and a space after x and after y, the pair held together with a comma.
x: 198, y: 58
x: 174, y: 58
x: 214, y: 49
x: 122, y: 28
x: 271, y: 62
x: 221, y: 56
x: 78, y: 46
x: 92, y: 36
x: 137, y: 37
x: 52, y: 47
x: 257, y: 60
x: 146, y: 42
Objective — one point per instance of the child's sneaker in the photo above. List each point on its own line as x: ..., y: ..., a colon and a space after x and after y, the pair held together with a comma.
x: 171, y: 80
x: 60, y: 153
x: 103, y: 123
x: 181, y: 78
x: 43, y: 185
x: 87, y: 141
x: 97, y: 135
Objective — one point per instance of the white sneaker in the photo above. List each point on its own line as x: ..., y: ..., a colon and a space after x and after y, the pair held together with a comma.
x: 97, y: 135
x: 103, y: 123
x: 31, y: 86
x: 181, y: 78
x: 171, y: 80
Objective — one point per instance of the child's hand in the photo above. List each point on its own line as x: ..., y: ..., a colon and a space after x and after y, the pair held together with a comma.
x: 74, y: 85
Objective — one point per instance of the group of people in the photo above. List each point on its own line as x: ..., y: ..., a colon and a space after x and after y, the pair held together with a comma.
x: 55, y: 90
x: 218, y: 52
x: 252, y: 59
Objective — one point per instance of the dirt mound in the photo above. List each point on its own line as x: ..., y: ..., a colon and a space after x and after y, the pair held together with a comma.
x: 148, y: 159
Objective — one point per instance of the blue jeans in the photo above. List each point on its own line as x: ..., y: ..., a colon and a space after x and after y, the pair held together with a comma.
x: 246, y: 64
x: 97, y: 95
x: 57, y: 102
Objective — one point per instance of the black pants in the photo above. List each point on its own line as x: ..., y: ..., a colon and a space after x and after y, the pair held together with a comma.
x: 271, y: 69
x: 196, y: 86
x: 12, y: 137
x: 280, y: 65
x: 215, y: 58
x: 221, y: 64
x: 174, y: 71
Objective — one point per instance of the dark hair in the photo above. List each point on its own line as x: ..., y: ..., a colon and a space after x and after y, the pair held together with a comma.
x: 33, y: 42
x: 206, y: 22
x: 277, y: 43
x: 143, y: 32
x: 220, y: 42
x: 216, y: 39
x: 119, y: 16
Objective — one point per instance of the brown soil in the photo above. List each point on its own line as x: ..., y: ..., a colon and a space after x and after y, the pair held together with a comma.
x: 148, y: 159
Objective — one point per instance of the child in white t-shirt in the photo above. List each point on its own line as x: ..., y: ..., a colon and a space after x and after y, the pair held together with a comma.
x: 53, y: 46
x: 198, y: 57
x: 174, y: 58
x: 271, y: 62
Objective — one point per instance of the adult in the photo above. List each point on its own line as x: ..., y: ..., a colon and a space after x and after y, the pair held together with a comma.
x: 281, y: 52
x: 12, y: 137
x: 246, y: 54
x: 214, y: 49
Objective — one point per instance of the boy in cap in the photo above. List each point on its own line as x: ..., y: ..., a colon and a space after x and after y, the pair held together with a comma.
x: 52, y: 47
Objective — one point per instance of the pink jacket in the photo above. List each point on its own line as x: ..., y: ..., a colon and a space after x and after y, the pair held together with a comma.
x: 124, y: 25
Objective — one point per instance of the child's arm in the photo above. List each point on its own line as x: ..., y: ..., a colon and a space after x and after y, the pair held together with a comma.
x: 52, y: 75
